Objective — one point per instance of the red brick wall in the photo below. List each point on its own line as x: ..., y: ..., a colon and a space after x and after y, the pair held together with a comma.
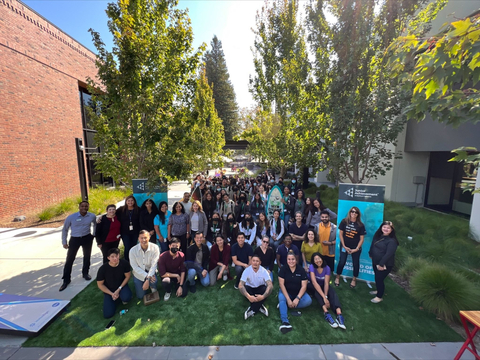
x: 40, y: 70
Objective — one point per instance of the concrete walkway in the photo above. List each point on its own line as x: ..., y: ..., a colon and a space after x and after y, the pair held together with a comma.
x: 439, y: 351
x: 31, y: 264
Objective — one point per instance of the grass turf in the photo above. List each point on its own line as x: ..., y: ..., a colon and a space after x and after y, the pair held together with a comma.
x: 214, y: 316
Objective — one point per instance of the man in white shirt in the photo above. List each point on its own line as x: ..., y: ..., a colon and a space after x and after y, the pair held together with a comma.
x: 187, y: 205
x: 256, y: 286
x: 143, y: 260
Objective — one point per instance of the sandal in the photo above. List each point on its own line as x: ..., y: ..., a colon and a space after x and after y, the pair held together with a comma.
x: 352, y: 285
x: 337, y: 282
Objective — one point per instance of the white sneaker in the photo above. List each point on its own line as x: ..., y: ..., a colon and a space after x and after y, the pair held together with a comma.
x: 225, y: 277
x: 264, y: 310
x: 248, y: 313
x: 153, y: 290
x: 374, y: 292
x: 167, y: 296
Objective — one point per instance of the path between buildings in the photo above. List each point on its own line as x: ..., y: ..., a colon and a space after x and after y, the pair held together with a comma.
x: 31, y: 264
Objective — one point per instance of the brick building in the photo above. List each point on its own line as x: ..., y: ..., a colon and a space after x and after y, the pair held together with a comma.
x: 42, y: 118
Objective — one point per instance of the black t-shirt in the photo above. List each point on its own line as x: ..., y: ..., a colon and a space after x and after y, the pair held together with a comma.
x: 113, y: 276
x: 293, y: 280
x: 351, y: 233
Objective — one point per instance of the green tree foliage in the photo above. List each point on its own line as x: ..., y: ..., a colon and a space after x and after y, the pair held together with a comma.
x: 223, y: 92
x: 155, y: 117
x: 441, y: 72
x: 280, y: 87
x: 359, y: 102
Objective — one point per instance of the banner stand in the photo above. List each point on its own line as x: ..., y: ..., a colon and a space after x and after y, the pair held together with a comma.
x: 370, y: 201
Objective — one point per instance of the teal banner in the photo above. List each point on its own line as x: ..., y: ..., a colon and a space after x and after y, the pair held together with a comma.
x: 274, y: 202
x: 142, y: 192
x: 369, y: 199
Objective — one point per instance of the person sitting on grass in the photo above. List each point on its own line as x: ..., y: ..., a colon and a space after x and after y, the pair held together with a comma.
x: 197, y: 261
x: 326, y: 296
x: 143, y: 260
x: 241, y: 256
x: 256, y: 286
x: 112, y: 279
x: 292, y: 280
x: 171, y: 268
x: 219, y: 259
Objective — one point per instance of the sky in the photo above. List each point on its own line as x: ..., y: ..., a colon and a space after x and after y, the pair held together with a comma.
x: 230, y: 20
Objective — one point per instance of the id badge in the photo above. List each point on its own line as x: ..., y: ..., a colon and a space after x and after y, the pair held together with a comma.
x: 130, y: 228
x: 242, y: 215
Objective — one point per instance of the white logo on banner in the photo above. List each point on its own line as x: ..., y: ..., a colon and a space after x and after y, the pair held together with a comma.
x: 141, y: 186
x: 349, y: 192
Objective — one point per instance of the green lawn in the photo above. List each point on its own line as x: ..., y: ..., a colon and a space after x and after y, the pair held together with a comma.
x: 214, y: 316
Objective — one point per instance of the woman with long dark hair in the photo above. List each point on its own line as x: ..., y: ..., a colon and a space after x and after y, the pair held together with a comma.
x: 263, y: 228
x: 148, y: 212
x: 257, y: 206
x: 352, y: 235
x: 382, y: 252
x: 277, y: 230
x: 129, y: 216
x: 160, y: 224
x: 314, y: 213
x: 326, y: 296
x: 208, y: 204
x: 249, y: 228
x: 219, y: 259
x: 310, y: 245
x: 179, y: 225
x: 107, y: 232
x: 300, y: 202
x: 230, y: 229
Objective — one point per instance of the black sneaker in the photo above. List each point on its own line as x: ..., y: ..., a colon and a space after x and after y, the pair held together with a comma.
x: 285, y: 327
x: 193, y: 289
x: 341, y: 322
x: 330, y: 320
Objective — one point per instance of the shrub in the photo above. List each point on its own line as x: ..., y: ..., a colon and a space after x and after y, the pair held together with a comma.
x: 401, y: 257
x: 323, y: 187
x: 443, y: 291
x: 410, y: 266
x: 46, y: 214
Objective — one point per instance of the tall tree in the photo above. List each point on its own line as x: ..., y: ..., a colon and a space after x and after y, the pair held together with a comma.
x: 280, y: 87
x: 223, y: 92
x: 362, y: 104
x: 154, y: 113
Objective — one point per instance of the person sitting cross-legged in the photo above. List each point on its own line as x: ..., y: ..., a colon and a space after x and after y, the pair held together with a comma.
x: 112, y: 279
x: 143, y: 260
x: 256, y: 286
x: 197, y: 261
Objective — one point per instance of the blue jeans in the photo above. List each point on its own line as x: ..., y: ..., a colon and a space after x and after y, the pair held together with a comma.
x: 110, y: 305
x: 305, y: 301
x: 139, y: 286
x: 286, y: 219
x: 162, y: 245
x: 275, y: 244
x: 205, y: 281
x: 271, y: 273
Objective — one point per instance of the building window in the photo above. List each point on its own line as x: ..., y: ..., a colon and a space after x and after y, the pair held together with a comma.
x: 95, y: 177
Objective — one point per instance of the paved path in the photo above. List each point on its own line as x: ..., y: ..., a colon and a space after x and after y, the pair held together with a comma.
x: 439, y: 351
x: 31, y: 263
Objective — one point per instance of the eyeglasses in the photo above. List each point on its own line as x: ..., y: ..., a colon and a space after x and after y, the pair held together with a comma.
x: 354, y: 211
x: 265, y: 242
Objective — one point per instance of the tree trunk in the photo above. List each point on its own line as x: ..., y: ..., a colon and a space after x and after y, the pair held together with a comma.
x: 305, y: 177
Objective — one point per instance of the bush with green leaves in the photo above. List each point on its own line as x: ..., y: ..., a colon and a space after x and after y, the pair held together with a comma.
x: 442, y: 290
x: 410, y: 266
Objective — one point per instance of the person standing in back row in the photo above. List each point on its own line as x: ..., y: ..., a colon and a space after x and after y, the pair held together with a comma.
x: 129, y: 216
x: 80, y: 225
x: 352, y: 235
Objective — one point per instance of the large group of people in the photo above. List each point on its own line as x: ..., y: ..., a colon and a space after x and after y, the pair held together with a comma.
x: 201, y: 238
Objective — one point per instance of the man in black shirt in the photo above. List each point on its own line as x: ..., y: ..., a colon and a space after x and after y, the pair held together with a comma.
x: 112, y: 279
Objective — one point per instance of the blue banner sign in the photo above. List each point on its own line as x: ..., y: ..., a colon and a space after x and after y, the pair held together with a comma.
x: 142, y: 192
x: 369, y: 199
